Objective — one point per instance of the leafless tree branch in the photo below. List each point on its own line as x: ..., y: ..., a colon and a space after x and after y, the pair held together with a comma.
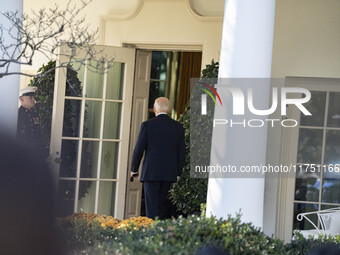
x: 42, y: 31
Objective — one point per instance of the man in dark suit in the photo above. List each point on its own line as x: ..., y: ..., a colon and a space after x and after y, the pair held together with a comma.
x: 162, y: 140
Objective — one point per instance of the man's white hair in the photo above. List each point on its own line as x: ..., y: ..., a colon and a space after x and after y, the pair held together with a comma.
x: 162, y: 104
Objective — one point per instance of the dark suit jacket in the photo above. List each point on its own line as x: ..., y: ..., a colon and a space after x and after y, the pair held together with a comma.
x: 162, y: 140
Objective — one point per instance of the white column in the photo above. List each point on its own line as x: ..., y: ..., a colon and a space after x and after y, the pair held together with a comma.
x: 246, y: 52
x: 9, y: 85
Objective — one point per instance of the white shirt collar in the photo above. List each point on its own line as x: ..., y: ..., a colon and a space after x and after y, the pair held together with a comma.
x: 161, y: 113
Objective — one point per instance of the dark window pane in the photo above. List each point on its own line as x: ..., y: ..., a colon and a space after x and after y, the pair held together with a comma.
x: 316, y: 106
x: 304, y: 224
x: 331, y: 186
x: 69, y: 156
x: 89, y: 159
x: 66, y: 193
x: 74, y: 81
x: 332, y: 151
x: 157, y: 89
x: 159, y: 65
x: 310, y: 146
x: 71, y: 122
x: 333, y: 119
x: 307, y: 184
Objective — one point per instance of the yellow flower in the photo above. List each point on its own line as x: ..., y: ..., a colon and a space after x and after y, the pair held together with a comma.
x: 108, y: 221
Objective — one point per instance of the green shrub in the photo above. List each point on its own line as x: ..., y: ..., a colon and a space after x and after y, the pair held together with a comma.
x: 302, y: 245
x: 185, y: 236
x: 189, y: 193
x: 44, y: 96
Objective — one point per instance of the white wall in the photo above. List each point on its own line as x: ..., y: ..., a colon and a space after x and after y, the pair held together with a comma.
x: 158, y: 22
x: 307, y: 38
x: 307, y: 44
x: 166, y: 22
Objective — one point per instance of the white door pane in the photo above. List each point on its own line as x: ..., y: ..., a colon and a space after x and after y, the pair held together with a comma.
x: 109, y: 160
x: 95, y: 81
x: 112, y: 120
x: 115, y: 81
x: 92, y: 119
x: 89, y: 159
x: 106, y: 199
x: 86, y: 196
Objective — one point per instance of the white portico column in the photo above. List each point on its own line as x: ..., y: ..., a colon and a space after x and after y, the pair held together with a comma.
x: 246, y: 52
x: 9, y: 85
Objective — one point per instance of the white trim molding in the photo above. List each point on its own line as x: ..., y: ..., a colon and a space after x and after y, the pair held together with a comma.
x: 123, y: 17
x: 164, y: 47
x: 193, y: 12
x: 128, y: 16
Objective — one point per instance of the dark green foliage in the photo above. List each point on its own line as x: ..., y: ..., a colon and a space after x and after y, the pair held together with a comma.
x: 211, y: 71
x: 301, y: 245
x: 44, y: 82
x: 44, y: 98
x: 185, y: 236
x: 189, y: 193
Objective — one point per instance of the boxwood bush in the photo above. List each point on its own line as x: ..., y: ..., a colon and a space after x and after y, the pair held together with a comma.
x: 189, y: 193
x: 183, y: 236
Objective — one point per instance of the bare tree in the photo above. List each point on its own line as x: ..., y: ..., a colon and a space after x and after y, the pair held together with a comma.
x: 42, y: 32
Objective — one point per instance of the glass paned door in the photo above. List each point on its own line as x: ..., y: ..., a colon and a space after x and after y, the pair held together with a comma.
x: 317, y: 182
x: 90, y: 135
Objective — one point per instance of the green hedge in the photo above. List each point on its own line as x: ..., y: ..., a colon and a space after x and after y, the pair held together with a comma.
x: 189, y: 193
x: 183, y: 236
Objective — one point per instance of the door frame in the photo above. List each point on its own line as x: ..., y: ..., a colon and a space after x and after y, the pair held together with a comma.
x: 149, y: 47
x: 164, y: 47
x: 139, y: 114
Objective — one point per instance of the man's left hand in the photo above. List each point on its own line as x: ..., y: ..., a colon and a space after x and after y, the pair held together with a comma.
x: 134, y: 174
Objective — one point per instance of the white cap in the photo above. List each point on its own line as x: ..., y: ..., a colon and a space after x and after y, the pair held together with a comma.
x: 27, y: 91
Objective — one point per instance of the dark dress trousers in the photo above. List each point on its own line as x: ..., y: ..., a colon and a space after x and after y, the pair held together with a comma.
x: 162, y: 141
x: 29, y: 131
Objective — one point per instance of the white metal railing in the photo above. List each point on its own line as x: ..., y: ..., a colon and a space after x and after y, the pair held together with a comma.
x: 329, y: 220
